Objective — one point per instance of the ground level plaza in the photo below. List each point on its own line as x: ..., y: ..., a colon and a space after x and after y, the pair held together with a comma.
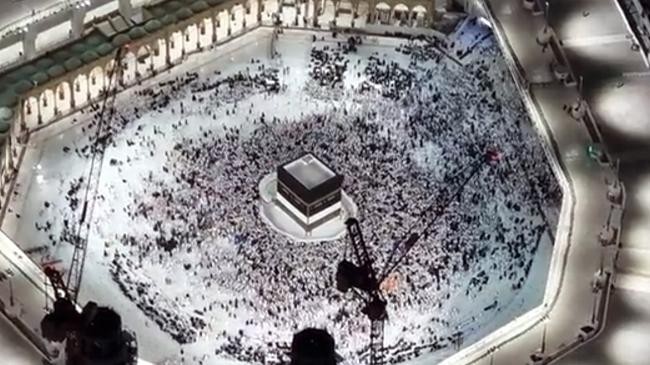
x: 575, y: 161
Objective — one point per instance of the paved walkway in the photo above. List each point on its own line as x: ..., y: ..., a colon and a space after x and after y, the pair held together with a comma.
x: 598, y: 46
x: 15, y: 14
x: 585, y: 210
x: 12, y: 10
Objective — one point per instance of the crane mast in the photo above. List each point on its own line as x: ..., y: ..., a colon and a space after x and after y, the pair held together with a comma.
x: 80, y: 239
x: 93, y: 335
x: 361, y: 277
x: 376, y: 342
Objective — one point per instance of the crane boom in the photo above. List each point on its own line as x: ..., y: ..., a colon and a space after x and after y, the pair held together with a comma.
x: 360, y: 250
x: 401, y: 250
x: 58, y: 286
x: 362, y: 278
x: 80, y: 243
x: 376, y: 342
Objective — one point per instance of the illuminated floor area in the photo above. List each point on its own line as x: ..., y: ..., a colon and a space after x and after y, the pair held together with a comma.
x: 625, y: 339
x: 51, y: 165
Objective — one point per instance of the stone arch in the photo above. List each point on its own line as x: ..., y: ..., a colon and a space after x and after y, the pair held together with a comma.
x: 363, y: 10
x: 205, y: 30
x: 190, y: 38
x: 143, y: 58
x: 251, y: 11
x: 400, y: 14
x: 419, y: 9
x: 160, y: 54
x: 175, y: 45
x: 223, y: 21
x: 420, y: 14
x: 30, y: 111
x: 202, y: 26
x: 96, y: 82
x: 382, y: 13
x: 80, y: 89
x: 236, y: 16
x: 129, y: 67
x: 47, y: 106
x: 63, y: 95
x: 400, y: 7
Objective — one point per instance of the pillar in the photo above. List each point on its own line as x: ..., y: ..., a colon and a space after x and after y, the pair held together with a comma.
x: 136, y: 73
x: 214, y: 27
x: 77, y: 22
x: 306, y: 16
x: 9, y: 161
x: 151, y: 57
x: 229, y: 14
x: 125, y: 8
x: 199, y: 26
x: 316, y: 11
x: 168, y: 57
x: 29, y: 42
x: 246, y: 11
x: 259, y: 11
x: 88, y: 87
x: 297, y: 5
x: 73, y: 103
x: 104, y: 87
x: 39, y: 116
x: 56, y: 101
x: 183, y: 35
x: 24, y: 103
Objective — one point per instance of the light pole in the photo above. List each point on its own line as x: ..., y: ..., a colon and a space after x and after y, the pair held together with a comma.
x: 546, y: 15
x: 544, y: 35
x: 598, y: 289
x: 11, y: 292
x: 543, y: 347
x: 580, y: 86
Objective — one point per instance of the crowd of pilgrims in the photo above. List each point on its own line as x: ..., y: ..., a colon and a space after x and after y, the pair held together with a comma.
x: 407, y: 138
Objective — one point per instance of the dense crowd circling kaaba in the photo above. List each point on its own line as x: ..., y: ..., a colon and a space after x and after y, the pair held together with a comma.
x: 407, y: 133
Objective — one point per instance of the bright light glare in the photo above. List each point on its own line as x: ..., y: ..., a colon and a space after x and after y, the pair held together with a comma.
x: 485, y: 22
x: 629, y: 344
x: 643, y: 194
x: 619, y: 109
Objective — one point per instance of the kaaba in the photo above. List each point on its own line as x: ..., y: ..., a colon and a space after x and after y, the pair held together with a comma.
x: 309, y: 191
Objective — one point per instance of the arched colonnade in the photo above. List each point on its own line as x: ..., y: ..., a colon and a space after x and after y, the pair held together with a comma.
x: 411, y: 13
x: 160, y: 50
x: 141, y: 59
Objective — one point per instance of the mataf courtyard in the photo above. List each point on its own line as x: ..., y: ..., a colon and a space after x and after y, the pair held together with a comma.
x: 175, y: 239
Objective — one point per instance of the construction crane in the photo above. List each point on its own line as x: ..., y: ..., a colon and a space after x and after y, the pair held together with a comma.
x: 364, y: 281
x: 93, y: 335
x: 106, y: 112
